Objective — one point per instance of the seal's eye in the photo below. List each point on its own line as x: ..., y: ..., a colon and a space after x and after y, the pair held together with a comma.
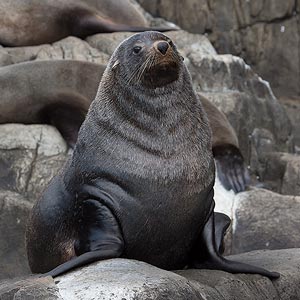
x: 137, y: 49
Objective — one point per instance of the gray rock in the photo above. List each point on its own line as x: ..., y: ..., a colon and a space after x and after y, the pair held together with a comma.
x: 124, y: 279
x: 29, y: 288
x: 129, y: 279
x: 185, y: 41
x: 265, y: 220
x: 14, y: 211
x: 119, y: 279
x: 286, y: 262
x: 68, y: 48
x: 293, y: 110
x: 30, y: 156
x: 280, y: 172
x: 244, y: 97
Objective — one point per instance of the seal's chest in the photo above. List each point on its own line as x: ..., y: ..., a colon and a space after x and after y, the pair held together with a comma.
x: 187, y: 168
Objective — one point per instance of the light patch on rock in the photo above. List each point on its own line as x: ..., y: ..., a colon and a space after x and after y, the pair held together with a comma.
x: 46, y: 139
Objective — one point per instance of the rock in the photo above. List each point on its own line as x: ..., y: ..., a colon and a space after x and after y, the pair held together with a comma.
x: 263, y: 32
x: 30, y: 156
x: 120, y: 279
x: 293, y: 108
x: 124, y: 279
x: 195, y: 16
x: 68, y: 48
x: 286, y: 262
x: 185, y: 41
x: 29, y: 288
x: 14, y: 211
x: 245, y: 98
x: 280, y: 172
x: 265, y: 220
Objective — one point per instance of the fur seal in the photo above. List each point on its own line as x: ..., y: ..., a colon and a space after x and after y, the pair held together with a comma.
x: 140, y: 182
x: 52, y: 92
x: 65, y: 98
x: 34, y: 22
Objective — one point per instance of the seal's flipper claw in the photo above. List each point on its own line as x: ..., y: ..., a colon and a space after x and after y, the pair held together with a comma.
x: 222, y: 222
x: 210, y: 258
x: 231, y: 168
x: 100, y: 238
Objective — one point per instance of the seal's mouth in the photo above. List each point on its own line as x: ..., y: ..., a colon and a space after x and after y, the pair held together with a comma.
x: 161, y: 73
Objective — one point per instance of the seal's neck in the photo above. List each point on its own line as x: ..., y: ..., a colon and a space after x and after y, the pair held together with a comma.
x: 163, y: 119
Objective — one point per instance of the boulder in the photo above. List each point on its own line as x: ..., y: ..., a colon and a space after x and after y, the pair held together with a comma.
x: 280, y: 172
x: 262, y: 219
x: 292, y: 108
x: 14, y: 211
x: 30, y: 156
x: 120, y: 279
x: 29, y: 288
x: 69, y: 48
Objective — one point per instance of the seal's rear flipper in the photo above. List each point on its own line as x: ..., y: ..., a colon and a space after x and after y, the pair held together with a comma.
x: 222, y: 222
x: 206, y: 255
x: 231, y: 168
x: 99, y: 238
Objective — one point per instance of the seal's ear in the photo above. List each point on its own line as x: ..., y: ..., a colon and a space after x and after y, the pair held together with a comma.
x: 116, y: 63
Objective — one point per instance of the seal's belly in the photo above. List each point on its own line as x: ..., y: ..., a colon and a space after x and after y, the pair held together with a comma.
x: 164, y: 229
x: 160, y: 223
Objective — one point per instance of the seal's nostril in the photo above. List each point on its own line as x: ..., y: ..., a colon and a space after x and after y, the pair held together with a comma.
x: 162, y: 47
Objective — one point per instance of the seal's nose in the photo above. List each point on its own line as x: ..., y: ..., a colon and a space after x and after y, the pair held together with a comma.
x: 162, y: 47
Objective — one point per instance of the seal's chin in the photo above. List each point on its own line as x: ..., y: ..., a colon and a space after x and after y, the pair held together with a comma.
x: 161, y: 74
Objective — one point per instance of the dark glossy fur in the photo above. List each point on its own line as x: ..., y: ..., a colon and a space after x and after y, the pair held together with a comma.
x: 139, y: 184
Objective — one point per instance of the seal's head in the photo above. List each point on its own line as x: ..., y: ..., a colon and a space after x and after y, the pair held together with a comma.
x: 149, y: 59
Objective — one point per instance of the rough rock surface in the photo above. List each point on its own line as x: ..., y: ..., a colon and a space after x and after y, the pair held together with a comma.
x: 264, y: 220
x: 292, y: 108
x: 29, y: 157
x: 120, y: 279
x: 280, y: 172
x: 264, y: 32
x: 68, y: 48
x: 29, y: 288
x: 14, y: 211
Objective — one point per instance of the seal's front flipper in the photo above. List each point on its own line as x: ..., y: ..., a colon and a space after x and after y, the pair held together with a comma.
x: 231, y: 168
x: 222, y: 222
x: 99, y: 237
x: 206, y: 255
